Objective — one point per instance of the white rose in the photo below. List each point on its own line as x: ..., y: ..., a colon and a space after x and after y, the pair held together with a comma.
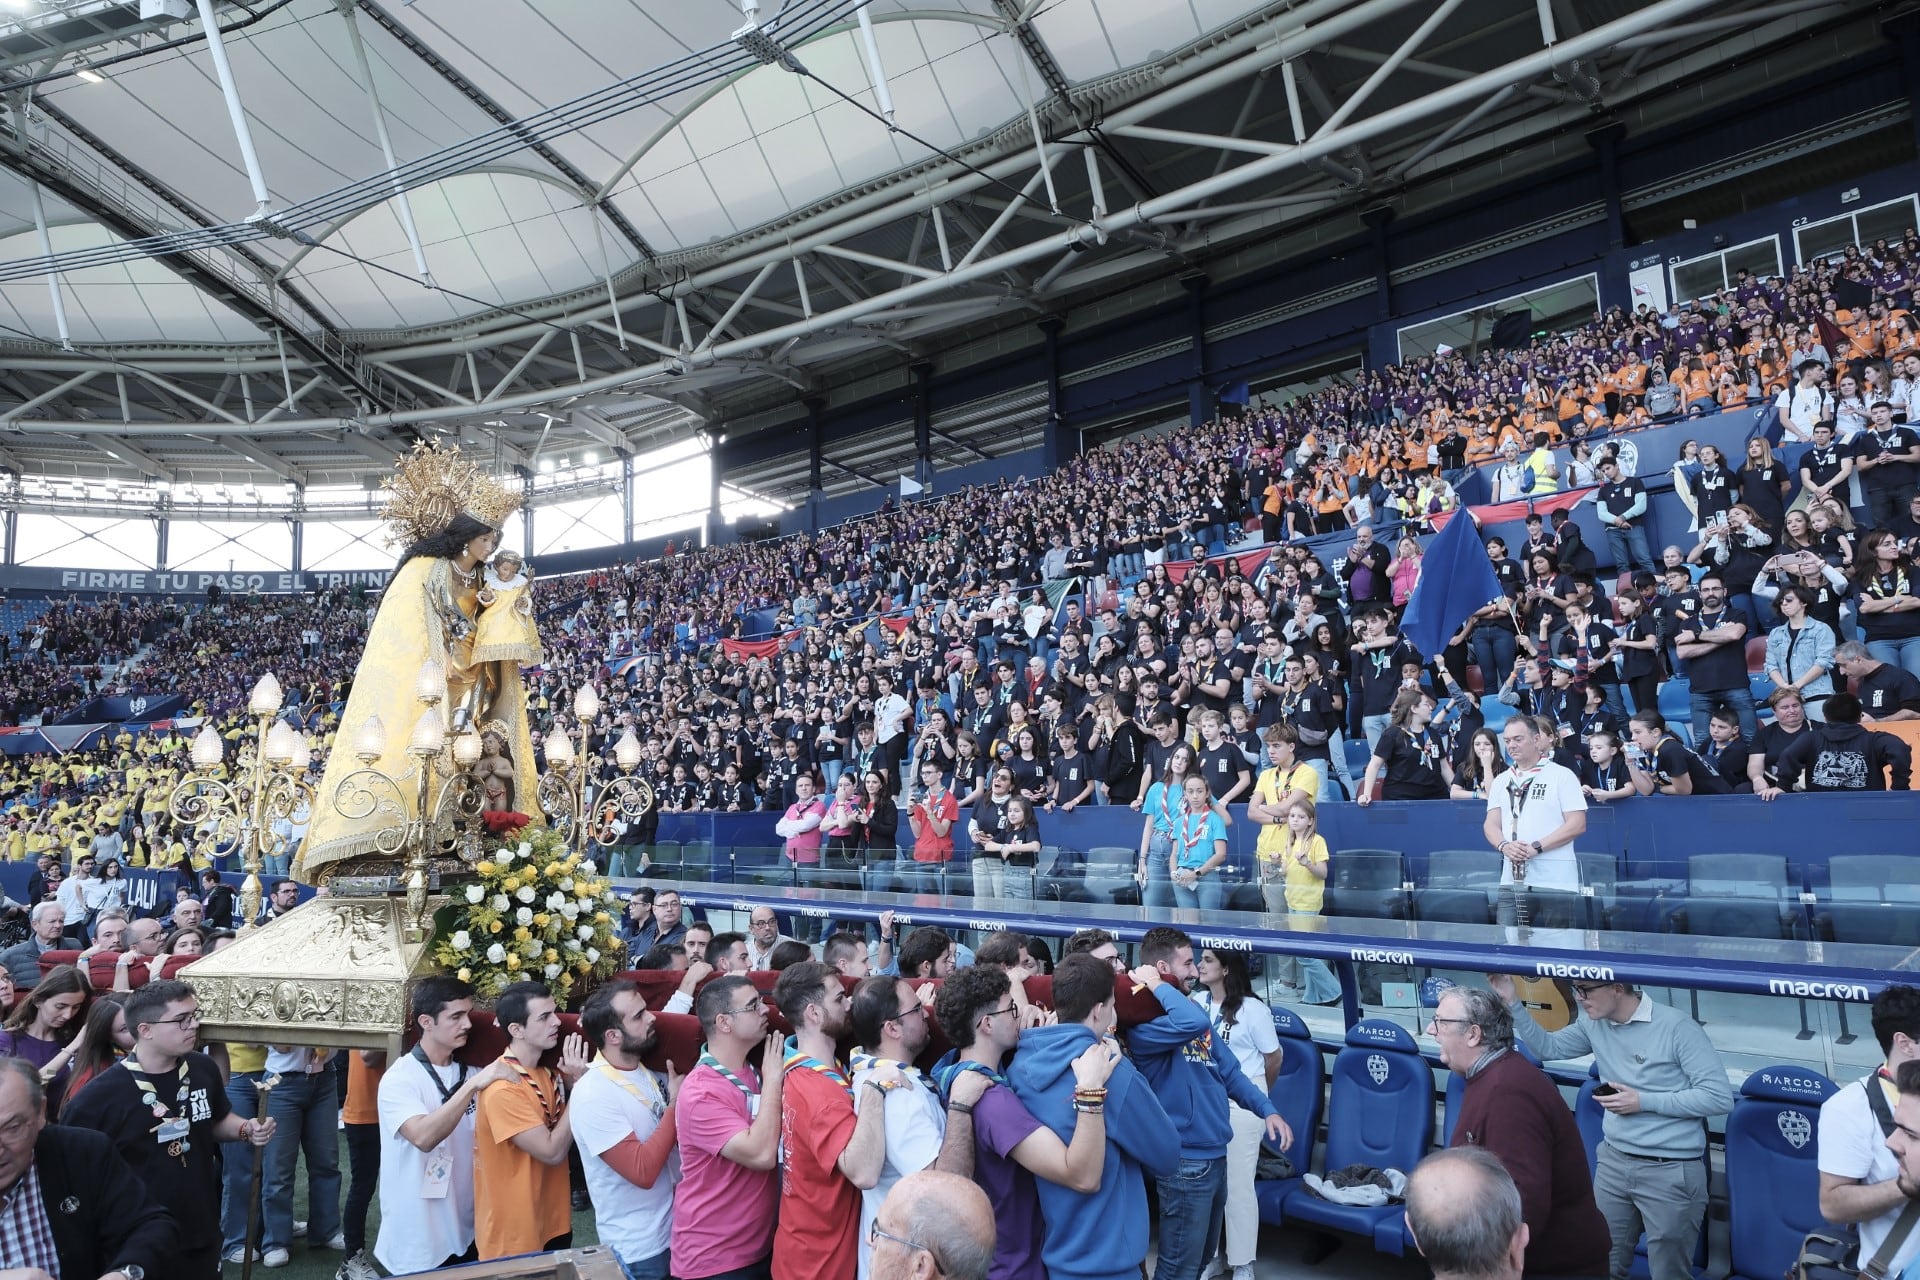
x: 586, y: 932
x: 526, y: 849
x: 573, y: 944
x: 525, y: 893
x: 553, y: 971
x: 532, y: 949
x: 571, y: 910
x: 567, y: 884
x: 504, y: 856
x: 500, y: 902
x: 496, y: 954
x: 523, y: 917
x: 589, y: 868
x: 555, y: 901
x: 461, y: 941
x: 593, y: 955
x: 476, y: 894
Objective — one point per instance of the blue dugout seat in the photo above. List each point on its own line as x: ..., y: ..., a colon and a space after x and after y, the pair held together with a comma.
x: 1296, y: 1092
x: 1379, y: 1113
x: 1773, y: 1179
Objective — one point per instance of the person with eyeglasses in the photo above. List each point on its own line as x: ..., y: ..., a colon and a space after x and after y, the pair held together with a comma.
x: 933, y: 1226
x: 165, y: 1110
x: 728, y: 1123
x: 1010, y: 1147
x: 893, y: 1027
x: 1510, y: 1108
x: 69, y: 1205
x: 1661, y: 1080
x: 1097, y: 943
x: 830, y: 1151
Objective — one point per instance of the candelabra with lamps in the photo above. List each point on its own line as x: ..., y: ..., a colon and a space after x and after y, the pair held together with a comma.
x: 268, y: 786
x: 567, y: 791
x: 340, y: 967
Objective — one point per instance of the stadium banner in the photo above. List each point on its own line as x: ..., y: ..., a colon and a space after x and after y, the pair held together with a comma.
x: 159, y: 582
x: 139, y: 706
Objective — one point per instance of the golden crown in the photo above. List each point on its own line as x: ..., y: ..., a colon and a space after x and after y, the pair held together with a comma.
x: 432, y: 485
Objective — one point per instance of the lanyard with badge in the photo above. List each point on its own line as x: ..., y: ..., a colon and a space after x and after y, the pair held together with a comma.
x: 172, y: 1131
x: 650, y: 1097
x: 436, y: 1178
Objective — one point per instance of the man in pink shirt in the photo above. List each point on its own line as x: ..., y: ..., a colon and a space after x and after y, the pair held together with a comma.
x: 728, y: 1120
x: 801, y: 825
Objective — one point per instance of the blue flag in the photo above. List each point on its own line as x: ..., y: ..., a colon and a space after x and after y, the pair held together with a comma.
x: 1456, y: 578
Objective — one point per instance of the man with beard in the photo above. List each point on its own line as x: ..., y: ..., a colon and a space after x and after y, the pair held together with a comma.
x: 1196, y: 1078
x: 832, y: 1155
x: 624, y: 1123
x: 426, y: 1135
x: 892, y: 1026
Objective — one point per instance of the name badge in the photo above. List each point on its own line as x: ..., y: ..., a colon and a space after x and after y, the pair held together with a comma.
x: 438, y: 1175
x: 173, y: 1130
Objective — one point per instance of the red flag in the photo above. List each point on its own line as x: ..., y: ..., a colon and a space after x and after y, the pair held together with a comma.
x: 751, y: 648
x: 1520, y: 509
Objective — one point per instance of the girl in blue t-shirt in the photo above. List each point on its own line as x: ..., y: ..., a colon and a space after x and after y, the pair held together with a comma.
x: 1199, y: 849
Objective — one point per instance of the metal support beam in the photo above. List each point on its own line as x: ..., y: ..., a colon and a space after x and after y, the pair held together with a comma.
x: 922, y: 422
x: 242, y: 131
x: 401, y: 204
x: 520, y: 365
x: 54, y: 393
x: 1357, y: 99
x: 140, y: 460
x: 260, y: 457
x: 53, y: 277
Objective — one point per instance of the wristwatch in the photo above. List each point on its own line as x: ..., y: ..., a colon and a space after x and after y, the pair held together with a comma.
x: 131, y: 1270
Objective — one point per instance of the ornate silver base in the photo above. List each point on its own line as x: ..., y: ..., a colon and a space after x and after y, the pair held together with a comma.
x: 335, y: 973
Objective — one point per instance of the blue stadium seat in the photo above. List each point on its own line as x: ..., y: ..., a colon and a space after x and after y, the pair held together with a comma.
x: 1773, y: 1182
x: 1379, y: 1113
x: 1297, y: 1092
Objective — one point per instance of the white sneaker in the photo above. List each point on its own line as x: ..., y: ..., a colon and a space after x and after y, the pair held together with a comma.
x: 358, y: 1267
x: 1243, y: 1272
x: 275, y: 1257
x: 299, y: 1229
x: 238, y: 1256
x: 1218, y: 1267
x: 339, y: 1242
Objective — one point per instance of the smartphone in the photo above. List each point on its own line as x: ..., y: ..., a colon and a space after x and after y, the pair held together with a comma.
x: 1605, y: 1091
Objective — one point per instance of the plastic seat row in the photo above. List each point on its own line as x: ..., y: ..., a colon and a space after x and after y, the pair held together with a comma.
x: 1379, y: 1112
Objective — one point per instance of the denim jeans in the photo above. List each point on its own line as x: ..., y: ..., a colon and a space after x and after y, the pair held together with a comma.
x: 237, y: 1159
x: 1207, y: 893
x: 831, y: 771
x: 989, y: 876
x: 654, y: 1268
x: 305, y: 1110
x: 1017, y: 883
x: 1493, y: 651
x: 1373, y: 727
x: 1628, y: 548
x: 1904, y: 654
x: 1702, y: 704
x: 1191, y: 1204
x: 1158, y: 891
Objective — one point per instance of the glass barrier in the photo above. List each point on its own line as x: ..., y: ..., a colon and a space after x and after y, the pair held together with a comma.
x: 1765, y: 993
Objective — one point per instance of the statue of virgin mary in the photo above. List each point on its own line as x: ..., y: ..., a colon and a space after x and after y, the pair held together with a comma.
x: 447, y: 513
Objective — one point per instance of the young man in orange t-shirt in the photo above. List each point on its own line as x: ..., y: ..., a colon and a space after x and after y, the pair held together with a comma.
x: 522, y: 1133
x: 829, y: 1155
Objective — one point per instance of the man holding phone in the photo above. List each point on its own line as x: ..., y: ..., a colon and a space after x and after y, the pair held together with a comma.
x: 1660, y: 1079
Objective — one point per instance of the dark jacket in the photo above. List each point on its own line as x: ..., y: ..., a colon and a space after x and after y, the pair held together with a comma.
x: 101, y: 1214
x: 1512, y: 1110
x: 1846, y: 757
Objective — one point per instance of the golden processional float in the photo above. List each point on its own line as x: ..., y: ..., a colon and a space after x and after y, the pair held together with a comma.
x: 401, y: 823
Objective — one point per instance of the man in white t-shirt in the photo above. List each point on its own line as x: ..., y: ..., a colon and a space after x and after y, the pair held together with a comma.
x: 426, y: 1136
x: 623, y: 1124
x: 1859, y: 1176
x: 1805, y: 403
x: 891, y: 1024
x: 1535, y: 810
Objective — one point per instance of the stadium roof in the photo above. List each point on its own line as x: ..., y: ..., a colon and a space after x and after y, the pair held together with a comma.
x: 623, y: 219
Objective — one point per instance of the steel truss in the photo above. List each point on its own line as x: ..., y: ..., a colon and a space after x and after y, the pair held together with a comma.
x: 1007, y: 231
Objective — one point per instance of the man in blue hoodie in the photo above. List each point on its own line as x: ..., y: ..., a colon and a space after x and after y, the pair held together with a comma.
x: 1100, y: 1235
x: 1194, y: 1075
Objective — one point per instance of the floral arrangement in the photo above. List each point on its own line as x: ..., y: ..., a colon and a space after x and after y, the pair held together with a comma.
x: 539, y: 912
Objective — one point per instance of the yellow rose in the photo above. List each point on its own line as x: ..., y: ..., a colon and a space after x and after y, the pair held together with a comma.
x: 552, y: 956
x: 495, y: 927
x: 484, y: 868
x: 600, y: 917
x: 521, y: 934
x: 513, y: 962
x: 465, y: 975
x: 541, y: 919
x: 555, y: 870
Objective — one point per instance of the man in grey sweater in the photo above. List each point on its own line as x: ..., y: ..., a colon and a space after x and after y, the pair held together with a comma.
x: 1660, y: 1078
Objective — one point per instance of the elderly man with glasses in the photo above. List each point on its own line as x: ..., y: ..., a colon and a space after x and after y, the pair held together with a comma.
x: 1509, y: 1107
x: 1660, y: 1080
x: 933, y: 1226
